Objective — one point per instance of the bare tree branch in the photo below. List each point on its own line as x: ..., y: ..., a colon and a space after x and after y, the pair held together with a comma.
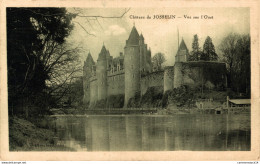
x: 99, y: 16
x: 84, y: 29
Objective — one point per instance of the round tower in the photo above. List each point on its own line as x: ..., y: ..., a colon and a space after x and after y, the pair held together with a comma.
x: 102, y: 74
x: 87, y: 69
x: 132, y: 65
x: 177, y: 80
x: 168, y: 78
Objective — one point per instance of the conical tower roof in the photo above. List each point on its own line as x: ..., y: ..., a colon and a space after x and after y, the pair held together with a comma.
x: 142, y: 37
x: 182, y: 46
x: 89, y: 59
x: 102, y: 54
x: 133, y: 37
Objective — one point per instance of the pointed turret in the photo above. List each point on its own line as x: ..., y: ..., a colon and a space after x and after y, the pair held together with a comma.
x: 103, y: 53
x: 132, y: 61
x: 89, y: 60
x: 133, y: 38
x: 182, y: 53
x: 141, y: 39
x: 87, y: 73
x: 182, y: 46
x: 102, y: 74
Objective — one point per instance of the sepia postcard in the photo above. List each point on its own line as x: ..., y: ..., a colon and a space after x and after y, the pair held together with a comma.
x: 129, y: 80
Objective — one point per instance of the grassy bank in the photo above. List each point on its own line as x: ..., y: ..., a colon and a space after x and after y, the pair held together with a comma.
x: 26, y: 136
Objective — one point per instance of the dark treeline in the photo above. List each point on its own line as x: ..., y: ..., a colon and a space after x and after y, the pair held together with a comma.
x: 235, y: 51
x: 208, y: 52
x: 40, y: 62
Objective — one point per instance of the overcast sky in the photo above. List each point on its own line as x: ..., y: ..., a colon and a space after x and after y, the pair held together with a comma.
x: 160, y: 34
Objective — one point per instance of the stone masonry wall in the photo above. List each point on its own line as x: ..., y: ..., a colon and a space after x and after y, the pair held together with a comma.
x: 116, y: 83
x: 152, y: 80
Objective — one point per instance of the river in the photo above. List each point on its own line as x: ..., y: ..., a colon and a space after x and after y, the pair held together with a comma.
x: 195, y: 132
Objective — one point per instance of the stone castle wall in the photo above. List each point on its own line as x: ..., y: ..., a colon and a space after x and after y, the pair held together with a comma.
x: 93, y: 90
x: 153, y: 79
x: 168, y: 78
x: 116, y: 83
x: 194, y: 74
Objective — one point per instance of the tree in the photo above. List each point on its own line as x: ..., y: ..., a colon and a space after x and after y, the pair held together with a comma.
x: 228, y: 49
x: 236, y: 53
x: 209, y: 53
x: 157, y: 60
x: 196, y: 50
x: 34, y: 39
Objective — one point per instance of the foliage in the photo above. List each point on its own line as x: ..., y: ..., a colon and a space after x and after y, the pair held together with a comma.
x: 209, y: 53
x: 157, y: 60
x: 36, y: 53
x: 116, y: 101
x: 134, y: 102
x: 181, y: 97
x: 196, y: 50
x: 101, y: 103
x: 152, y: 97
x: 236, y: 54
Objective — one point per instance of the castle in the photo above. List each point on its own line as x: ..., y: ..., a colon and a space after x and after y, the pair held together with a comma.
x: 132, y: 72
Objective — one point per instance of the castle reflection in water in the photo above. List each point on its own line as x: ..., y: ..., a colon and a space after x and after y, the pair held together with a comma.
x: 154, y: 133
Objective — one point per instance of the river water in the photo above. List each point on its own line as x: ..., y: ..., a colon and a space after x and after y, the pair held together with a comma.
x: 198, y: 132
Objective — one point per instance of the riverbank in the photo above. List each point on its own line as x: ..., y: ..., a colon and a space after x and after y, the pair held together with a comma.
x: 154, y: 111
x: 26, y: 136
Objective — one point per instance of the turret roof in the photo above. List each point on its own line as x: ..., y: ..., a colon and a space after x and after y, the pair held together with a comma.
x: 182, y: 46
x: 103, y: 53
x: 133, y: 37
x: 89, y: 59
x: 141, y: 36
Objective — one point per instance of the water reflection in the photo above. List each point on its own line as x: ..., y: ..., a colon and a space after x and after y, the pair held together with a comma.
x: 154, y: 133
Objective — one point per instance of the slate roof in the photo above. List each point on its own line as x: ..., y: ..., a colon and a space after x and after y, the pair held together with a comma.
x: 103, y: 53
x: 142, y: 37
x: 89, y: 59
x: 133, y: 37
x: 182, y: 46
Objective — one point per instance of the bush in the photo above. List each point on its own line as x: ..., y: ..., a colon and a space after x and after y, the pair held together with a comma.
x: 116, y: 101
x: 135, y: 101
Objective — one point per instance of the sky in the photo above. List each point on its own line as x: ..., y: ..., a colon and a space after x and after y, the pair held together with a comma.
x: 160, y: 34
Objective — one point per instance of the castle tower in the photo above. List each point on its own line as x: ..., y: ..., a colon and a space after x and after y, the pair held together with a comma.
x: 149, y: 60
x: 102, y: 74
x: 87, y: 70
x: 182, y: 53
x: 132, y: 65
x: 143, y: 53
x: 178, y: 78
